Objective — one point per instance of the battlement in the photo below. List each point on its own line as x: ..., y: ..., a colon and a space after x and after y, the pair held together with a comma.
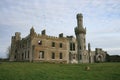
x: 35, y: 35
x: 47, y: 36
x: 43, y: 34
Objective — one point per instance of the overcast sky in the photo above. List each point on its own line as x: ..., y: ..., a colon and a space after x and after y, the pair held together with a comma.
x: 101, y: 18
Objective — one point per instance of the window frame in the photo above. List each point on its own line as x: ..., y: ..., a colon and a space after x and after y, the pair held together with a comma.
x: 53, y: 44
x: 60, y: 55
x: 61, y: 45
x: 41, y: 55
x: 53, y: 55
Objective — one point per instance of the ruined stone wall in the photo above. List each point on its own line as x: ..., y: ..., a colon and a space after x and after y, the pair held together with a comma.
x: 49, y: 45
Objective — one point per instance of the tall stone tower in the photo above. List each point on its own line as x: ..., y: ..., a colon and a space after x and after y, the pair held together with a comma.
x: 80, y: 33
x: 14, y: 40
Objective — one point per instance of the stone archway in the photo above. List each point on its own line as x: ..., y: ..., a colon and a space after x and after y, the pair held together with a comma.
x: 72, y: 57
x: 99, y: 58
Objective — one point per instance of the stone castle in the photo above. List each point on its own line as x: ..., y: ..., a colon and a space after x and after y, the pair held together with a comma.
x: 43, y: 48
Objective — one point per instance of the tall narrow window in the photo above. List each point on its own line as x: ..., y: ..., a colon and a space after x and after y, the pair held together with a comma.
x: 15, y: 56
x: 80, y: 56
x: 73, y: 46
x: 25, y: 54
x: 28, y: 54
x: 70, y: 56
x: 16, y: 51
x: 61, y: 45
x: 53, y: 44
x: 41, y: 54
x: 60, y: 56
x: 22, y: 56
x: 53, y: 55
x: 80, y: 47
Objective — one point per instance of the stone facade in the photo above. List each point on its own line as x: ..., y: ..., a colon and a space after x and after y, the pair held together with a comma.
x: 43, y: 48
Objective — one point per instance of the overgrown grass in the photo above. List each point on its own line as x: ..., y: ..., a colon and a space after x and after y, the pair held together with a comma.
x: 46, y: 71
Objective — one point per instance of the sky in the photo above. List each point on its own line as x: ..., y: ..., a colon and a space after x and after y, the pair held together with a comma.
x: 101, y: 19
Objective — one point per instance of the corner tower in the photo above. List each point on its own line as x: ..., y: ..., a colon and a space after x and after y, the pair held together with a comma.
x: 80, y: 33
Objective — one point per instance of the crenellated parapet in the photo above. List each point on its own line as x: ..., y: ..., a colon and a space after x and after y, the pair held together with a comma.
x: 47, y: 36
x: 43, y: 34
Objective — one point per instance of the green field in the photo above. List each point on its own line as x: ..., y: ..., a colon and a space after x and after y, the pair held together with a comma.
x: 46, y: 71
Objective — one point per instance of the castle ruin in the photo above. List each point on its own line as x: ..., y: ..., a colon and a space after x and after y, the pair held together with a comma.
x: 44, y: 48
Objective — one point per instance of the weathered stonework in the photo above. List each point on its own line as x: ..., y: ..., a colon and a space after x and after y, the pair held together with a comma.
x: 43, y: 48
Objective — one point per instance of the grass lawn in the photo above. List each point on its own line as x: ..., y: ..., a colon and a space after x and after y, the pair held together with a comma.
x: 46, y: 71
